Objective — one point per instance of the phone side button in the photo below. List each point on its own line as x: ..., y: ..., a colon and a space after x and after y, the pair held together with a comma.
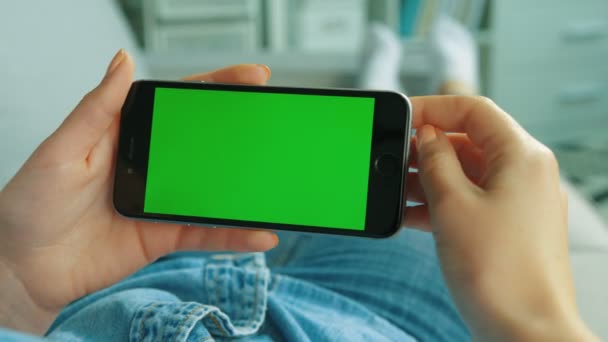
x: 387, y: 165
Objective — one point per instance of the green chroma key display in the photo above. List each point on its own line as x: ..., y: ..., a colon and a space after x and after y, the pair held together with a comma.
x: 266, y: 157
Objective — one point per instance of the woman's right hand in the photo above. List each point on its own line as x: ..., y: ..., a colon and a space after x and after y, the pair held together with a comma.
x: 492, y: 197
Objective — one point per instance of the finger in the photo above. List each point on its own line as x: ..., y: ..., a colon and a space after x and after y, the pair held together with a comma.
x: 242, y: 74
x: 158, y: 239
x: 225, y: 239
x: 439, y: 170
x: 105, y: 149
x: 414, y: 190
x: 88, y: 122
x: 417, y: 217
x: 469, y: 155
x: 488, y: 126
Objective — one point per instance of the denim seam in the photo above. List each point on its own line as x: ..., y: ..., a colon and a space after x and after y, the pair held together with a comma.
x: 273, y: 281
x: 218, y: 325
x: 144, y: 316
x: 189, y: 315
x: 255, y: 297
x: 215, y: 301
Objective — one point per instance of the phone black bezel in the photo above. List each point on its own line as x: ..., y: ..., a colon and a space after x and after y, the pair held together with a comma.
x: 390, y: 136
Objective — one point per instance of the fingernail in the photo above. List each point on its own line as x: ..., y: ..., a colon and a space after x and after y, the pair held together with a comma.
x: 261, y: 241
x: 425, y: 135
x: 265, y: 69
x: 118, y: 58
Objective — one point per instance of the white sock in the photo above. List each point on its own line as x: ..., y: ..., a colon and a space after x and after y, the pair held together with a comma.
x: 381, y: 59
x: 455, y: 52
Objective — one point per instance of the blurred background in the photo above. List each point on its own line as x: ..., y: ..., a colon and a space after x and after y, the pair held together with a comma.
x: 306, y: 42
x: 543, y: 61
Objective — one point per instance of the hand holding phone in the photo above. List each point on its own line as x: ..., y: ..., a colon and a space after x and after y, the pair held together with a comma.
x: 314, y: 160
x: 58, y: 225
x: 492, y: 197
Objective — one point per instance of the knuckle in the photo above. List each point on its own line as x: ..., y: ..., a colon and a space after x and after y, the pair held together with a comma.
x: 485, y: 101
x: 548, y: 157
x: 89, y: 96
x: 543, y: 158
x: 91, y: 101
x: 486, y: 104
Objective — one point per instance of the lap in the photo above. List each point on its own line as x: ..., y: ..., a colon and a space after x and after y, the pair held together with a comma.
x: 399, y: 278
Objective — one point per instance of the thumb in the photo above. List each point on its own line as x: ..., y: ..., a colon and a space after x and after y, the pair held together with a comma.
x: 90, y: 120
x: 439, y: 170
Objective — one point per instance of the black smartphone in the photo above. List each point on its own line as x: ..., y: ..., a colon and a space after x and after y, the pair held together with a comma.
x: 313, y: 160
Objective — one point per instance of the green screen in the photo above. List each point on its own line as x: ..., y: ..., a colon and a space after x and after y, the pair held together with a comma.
x: 266, y: 157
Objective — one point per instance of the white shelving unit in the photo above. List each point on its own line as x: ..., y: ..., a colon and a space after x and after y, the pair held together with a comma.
x: 250, y: 37
x: 289, y: 67
x: 551, y: 75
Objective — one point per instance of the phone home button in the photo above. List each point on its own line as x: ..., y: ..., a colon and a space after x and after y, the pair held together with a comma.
x: 387, y: 165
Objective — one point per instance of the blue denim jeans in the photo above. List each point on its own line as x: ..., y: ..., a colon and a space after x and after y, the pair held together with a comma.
x: 310, y: 288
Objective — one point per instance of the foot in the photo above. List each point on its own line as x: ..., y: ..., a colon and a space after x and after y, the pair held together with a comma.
x: 381, y: 59
x: 454, y: 50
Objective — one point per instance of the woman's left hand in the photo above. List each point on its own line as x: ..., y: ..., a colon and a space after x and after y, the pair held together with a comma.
x: 60, y: 237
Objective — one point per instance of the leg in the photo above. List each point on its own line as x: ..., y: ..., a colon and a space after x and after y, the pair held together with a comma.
x: 398, y: 278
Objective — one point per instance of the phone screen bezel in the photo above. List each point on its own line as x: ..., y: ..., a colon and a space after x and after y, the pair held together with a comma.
x: 390, y: 136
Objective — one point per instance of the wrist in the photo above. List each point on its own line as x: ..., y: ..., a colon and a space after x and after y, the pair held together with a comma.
x: 542, y: 312
x: 17, y: 309
x: 521, y: 324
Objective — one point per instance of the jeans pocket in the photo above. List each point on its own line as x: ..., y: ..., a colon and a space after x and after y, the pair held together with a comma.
x: 236, y: 288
